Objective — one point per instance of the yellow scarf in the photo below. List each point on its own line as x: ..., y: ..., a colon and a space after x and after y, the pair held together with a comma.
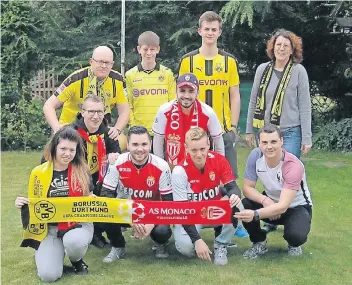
x: 276, y: 107
x: 96, y: 87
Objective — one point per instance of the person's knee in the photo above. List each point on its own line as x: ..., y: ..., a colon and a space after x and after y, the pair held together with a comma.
x: 185, y: 247
x: 161, y: 234
x: 295, y: 238
x: 49, y: 275
x: 75, y: 248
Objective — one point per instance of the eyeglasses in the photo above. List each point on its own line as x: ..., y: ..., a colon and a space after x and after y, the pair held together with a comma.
x: 101, y: 62
x: 92, y: 112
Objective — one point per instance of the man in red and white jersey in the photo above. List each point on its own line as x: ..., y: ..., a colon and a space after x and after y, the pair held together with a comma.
x: 137, y: 174
x: 199, y: 177
x: 176, y: 117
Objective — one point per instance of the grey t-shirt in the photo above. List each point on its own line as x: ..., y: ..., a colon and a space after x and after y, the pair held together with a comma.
x: 296, y: 107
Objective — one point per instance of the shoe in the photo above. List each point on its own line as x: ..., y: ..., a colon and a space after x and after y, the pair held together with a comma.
x: 114, y: 254
x: 258, y: 248
x: 154, y: 245
x: 232, y: 245
x: 68, y: 269
x: 80, y: 267
x: 99, y: 241
x: 294, y: 250
x: 220, y: 254
x: 160, y: 250
x: 241, y: 232
x: 269, y: 228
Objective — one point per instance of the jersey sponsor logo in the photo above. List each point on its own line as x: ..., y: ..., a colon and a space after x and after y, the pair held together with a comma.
x: 218, y: 67
x: 213, y: 82
x: 194, y: 181
x: 60, y: 89
x: 137, y: 80
x: 212, y: 175
x: 154, y: 91
x: 173, y: 146
x: 212, y: 212
x: 150, y: 181
x: 204, y: 195
x: 124, y: 169
x: 138, y: 194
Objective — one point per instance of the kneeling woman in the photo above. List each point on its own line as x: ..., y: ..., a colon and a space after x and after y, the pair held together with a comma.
x: 65, y: 174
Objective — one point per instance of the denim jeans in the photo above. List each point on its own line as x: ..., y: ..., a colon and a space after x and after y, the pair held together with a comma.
x: 292, y: 138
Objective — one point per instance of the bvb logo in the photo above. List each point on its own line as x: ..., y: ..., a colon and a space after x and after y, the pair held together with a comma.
x: 36, y: 229
x: 161, y: 77
x: 44, y: 210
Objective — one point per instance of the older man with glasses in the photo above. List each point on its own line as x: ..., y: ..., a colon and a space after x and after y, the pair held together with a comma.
x: 98, y: 79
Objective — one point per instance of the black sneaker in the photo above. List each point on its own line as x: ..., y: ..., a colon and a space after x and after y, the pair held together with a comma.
x: 99, y: 241
x: 80, y: 267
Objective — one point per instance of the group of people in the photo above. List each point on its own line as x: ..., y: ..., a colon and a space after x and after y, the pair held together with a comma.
x: 180, y: 147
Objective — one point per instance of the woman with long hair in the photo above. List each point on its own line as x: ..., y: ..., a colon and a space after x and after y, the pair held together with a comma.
x: 64, y: 174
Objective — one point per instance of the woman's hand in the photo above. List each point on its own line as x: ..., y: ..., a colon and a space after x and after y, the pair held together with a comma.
x: 20, y: 201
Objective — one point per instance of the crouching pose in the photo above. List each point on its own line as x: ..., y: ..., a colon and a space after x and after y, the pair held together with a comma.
x: 138, y: 175
x: 198, y: 177
x: 65, y: 174
x: 286, y: 199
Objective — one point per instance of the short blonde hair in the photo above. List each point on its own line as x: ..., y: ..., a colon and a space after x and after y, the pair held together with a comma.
x: 149, y: 38
x: 195, y: 134
x: 210, y: 16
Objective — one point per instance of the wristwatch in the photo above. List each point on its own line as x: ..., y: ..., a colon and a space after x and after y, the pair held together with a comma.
x: 256, y: 216
x: 236, y: 128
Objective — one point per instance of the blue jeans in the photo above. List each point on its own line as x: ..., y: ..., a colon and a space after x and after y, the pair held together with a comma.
x: 292, y: 138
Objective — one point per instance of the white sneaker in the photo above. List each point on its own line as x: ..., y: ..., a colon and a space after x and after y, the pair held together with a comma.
x: 220, y: 254
x: 115, y: 254
x: 294, y: 250
x: 258, y: 248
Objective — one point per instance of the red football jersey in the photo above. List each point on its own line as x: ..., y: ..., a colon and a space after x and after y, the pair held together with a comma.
x: 190, y: 183
x: 146, y: 183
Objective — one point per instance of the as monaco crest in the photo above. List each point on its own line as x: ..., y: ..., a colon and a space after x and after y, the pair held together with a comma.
x: 212, y: 212
x: 212, y: 175
x: 173, y: 146
x: 150, y: 181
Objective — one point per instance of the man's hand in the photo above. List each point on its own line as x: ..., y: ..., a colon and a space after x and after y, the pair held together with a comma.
x: 202, y: 250
x: 234, y: 200
x: 245, y: 215
x: 114, y: 133
x: 268, y: 202
x: 21, y: 201
x: 112, y: 157
x: 140, y: 230
x: 305, y: 148
x: 250, y: 140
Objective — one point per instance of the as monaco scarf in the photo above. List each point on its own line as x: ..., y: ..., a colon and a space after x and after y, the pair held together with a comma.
x: 38, y: 187
x: 276, y: 107
x: 108, y: 210
x: 176, y: 128
x: 96, y: 87
x: 95, y: 144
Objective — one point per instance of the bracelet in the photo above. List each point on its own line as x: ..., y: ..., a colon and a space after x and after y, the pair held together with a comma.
x: 264, y: 200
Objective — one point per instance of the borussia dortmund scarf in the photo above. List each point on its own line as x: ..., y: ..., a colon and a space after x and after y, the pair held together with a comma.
x: 96, y: 87
x: 276, y: 107
x: 111, y: 210
x: 176, y: 127
x: 95, y: 147
x: 39, y: 184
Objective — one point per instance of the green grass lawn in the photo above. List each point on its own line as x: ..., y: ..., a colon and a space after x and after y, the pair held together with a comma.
x: 327, y: 257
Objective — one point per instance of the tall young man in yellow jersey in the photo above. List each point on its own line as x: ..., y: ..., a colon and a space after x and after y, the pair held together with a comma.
x: 149, y: 84
x: 218, y: 78
x: 98, y: 79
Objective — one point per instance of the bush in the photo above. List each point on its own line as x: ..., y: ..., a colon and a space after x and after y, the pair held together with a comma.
x: 23, y: 126
x: 335, y: 136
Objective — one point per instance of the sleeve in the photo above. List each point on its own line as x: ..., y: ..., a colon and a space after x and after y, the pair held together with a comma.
x: 234, y: 77
x: 219, y: 145
x: 179, y: 181
x: 165, y: 180
x: 65, y: 91
x: 304, y: 106
x: 232, y: 188
x: 111, y: 145
x: 111, y: 181
x: 250, y: 172
x: 191, y: 230
x: 171, y: 87
x: 226, y: 175
x: 253, y: 99
x: 292, y: 174
x: 120, y: 93
x: 130, y: 97
x: 159, y: 124
x: 214, y: 125
x: 158, y: 145
x: 183, y: 66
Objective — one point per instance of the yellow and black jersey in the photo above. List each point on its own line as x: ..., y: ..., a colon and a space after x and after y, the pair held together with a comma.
x: 73, y: 91
x: 216, y: 76
x: 147, y: 91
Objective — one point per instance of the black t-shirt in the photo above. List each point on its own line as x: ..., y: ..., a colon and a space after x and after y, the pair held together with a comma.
x: 59, y: 184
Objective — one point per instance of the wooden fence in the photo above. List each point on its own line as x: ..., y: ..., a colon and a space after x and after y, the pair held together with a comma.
x: 43, y: 85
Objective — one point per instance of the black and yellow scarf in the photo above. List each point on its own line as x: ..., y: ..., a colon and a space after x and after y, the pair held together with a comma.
x: 276, y: 107
x: 96, y: 87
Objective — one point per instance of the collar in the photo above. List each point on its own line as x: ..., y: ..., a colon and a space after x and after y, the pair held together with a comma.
x: 140, y: 68
x: 79, y: 123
